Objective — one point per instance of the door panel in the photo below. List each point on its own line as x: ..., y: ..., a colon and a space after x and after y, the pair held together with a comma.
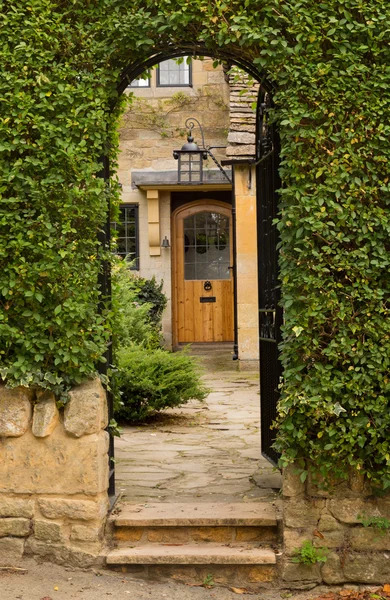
x: 202, y: 258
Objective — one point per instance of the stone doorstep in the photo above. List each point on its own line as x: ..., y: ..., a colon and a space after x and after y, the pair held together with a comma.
x: 191, y: 554
x: 259, y: 514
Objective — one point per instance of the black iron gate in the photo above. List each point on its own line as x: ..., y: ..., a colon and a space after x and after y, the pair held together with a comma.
x: 104, y: 283
x: 270, y: 313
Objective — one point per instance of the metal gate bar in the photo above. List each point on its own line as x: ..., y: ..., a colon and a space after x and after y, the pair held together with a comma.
x: 270, y: 313
x: 104, y: 283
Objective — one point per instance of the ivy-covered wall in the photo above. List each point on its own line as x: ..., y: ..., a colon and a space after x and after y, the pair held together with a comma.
x: 329, y: 62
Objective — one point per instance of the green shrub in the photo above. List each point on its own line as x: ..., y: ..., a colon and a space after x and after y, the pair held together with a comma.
x: 131, y: 321
x: 148, y: 291
x: 329, y: 63
x: 148, y: 381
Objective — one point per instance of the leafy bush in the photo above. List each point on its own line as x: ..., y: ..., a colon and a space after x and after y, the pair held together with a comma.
x: 146, y: 378
x: 132, y: 322
x: 329, y: 63
x: 150, y: 292
x: 152, y: 380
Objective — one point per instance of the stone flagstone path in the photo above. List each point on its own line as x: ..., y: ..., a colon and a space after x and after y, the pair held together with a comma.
x: 202, y: 452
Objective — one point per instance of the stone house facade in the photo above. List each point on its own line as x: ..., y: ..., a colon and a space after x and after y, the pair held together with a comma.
x: 200, y: 222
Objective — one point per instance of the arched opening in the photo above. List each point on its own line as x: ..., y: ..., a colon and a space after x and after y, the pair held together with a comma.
x: 255, y: 175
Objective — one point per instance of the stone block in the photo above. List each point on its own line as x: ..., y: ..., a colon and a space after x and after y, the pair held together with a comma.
x: 367, y: 567
x: 244, y: 150
x: 61, y: 554
x: 347, y: 510
x: 86, y: 412
x: 331, y: 571
x: 48, y: 531
x: 302, y: 513
x: 57, y: 464
x: 330, y: 539
x: 15, y: 410
x: 212, y: 534
x: 261, y: 574
x: 295, y: 572
x: 46, y: 415
x: 328, y: 523
x: 248, y: 127
x: 84, y: 533
x: 168, y: 535
x: 83, y: 510
x: 179, y: 572
x: 294, y: 538
x: 366, y: 539
x: 216, y: 77
x: 11, y: 551
x: 292, y: 484
x: 14, y: 526
x: 241, y: 137
x: 256, y: 534
x: 16, y: 507
x: 129, y: 534
x: 208, y: 65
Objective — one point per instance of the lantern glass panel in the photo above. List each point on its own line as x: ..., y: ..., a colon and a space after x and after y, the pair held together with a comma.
x: 190, y: 167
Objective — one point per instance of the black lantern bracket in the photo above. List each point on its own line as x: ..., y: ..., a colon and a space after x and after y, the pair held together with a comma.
x: 191, y: 156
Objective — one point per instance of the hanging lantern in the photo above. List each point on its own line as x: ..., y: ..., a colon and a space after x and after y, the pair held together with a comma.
x: 190, y: 157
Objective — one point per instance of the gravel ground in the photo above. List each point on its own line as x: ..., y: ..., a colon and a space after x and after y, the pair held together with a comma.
x: 45, y: 581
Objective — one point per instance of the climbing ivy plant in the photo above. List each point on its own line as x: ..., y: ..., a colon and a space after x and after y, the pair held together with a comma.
x: 330, y: 65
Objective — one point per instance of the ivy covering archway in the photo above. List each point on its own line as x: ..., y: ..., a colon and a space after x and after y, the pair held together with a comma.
x: 329, y: 63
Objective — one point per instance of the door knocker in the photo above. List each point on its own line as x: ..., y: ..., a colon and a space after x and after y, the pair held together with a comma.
x: 207, y: 286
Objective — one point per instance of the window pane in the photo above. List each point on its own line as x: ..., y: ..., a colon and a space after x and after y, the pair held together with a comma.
x: 127, y: 231
x: 164, y: 78
x: 172, y: 73
x: 140, y: 83
x: 206, y: 246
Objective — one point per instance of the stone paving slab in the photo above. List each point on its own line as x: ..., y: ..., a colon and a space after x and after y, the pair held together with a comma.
x: 206, y: 451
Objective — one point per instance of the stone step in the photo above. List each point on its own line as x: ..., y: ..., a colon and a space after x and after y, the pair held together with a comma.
x: 191, y: 554
x: 232, y: 543
x: 254, y: 514
x: 193, y: 523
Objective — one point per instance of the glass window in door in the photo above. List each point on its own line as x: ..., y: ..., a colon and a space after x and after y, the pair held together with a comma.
x: 206, y: 246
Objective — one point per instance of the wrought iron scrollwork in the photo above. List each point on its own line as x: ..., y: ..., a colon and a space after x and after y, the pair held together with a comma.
x: 265, y: 142
x: 267, y: 324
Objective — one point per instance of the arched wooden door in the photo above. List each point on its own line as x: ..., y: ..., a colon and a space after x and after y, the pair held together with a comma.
x: 203, y: 300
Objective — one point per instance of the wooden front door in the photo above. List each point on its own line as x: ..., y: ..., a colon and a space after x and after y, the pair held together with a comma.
x: 203, y: 285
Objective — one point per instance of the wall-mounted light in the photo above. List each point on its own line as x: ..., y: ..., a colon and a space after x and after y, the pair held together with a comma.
x: 165, y: 243
x: 190, y: 158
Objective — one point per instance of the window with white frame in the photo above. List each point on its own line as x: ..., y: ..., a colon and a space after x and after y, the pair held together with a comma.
x: 172, y: 73
x: 140, y: 83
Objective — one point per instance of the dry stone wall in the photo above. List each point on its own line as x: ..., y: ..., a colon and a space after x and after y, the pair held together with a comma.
x: 242, y: 128
x: 344, y: 520
x: 53, y: 475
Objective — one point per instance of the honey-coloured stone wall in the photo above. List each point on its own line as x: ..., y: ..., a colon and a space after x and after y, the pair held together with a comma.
x: 342, y: 521
x: 53, y: 475
x: 247, y: 283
